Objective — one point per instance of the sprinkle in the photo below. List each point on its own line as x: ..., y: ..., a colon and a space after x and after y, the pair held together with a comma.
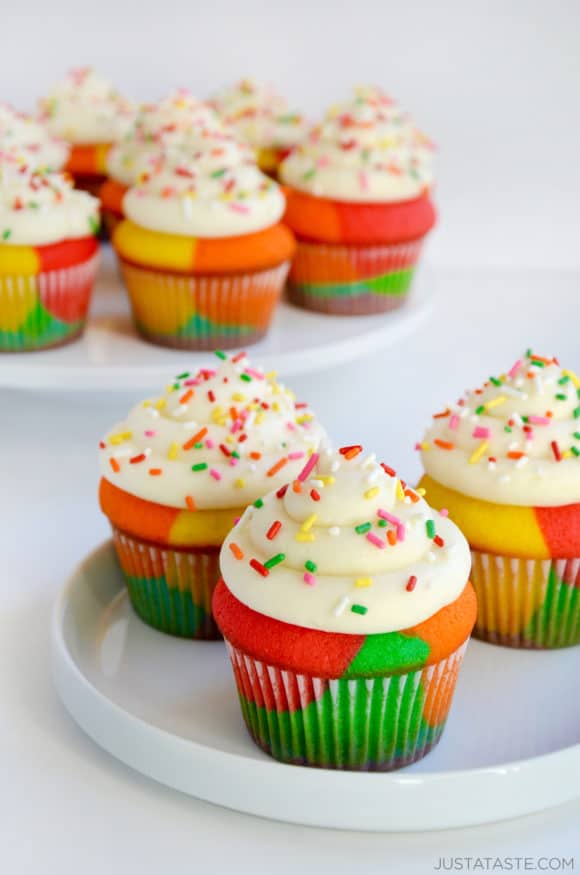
x: 155, y: 472
x: 187, y: 396
x: 259, y: 503
x: 135, y: 460
x: 444, y: 445
x: 495, y: 402
x: 444, y: 512
x: 539, y: 420
x: 277, y: 467
x: 308, y: 522
x: 400, y: 492
x: 389, y: 517
x: 310, y: 464
x: 411, y: 583
x: 114, y: 465
x: 304, y: 537
x: 481, y: 432
x: 273, y: 530
x: 390, y: 471
x: 310, y: 565
x: 159, y: 405
x: 576, y: 413
x: 339, y: 609
x: 326, y: 479
x: 314, y: 495
x: 297, y: 486
x: 116, y: 439
x: 430, y: 528
x: 363, y: 528
x: 294, y: 456
x: 391, y: 537
x: 401, y: 531
x: 454, y: 422
x: 309, y: 578
x: 194, y: 439
x: 363, y: 581
x: 359, y: 609
x: 221, y: 355
x: 371, y: 493
x: 412, y: 495
x: 239, y: 483
x: 439, y: 541
x: 199, y: 466
x: 478, y: 453
x: 350, y: 452
x: 190, y: 502
x: 236, y: 551
x: 556, y: 451
x: 376, y: 541
x: 274, y: 560
x: 334, y: 531
x: 215, y: 474
x: 575, y: 379
x: 173, y: 450
x: 282, y: 491
x: 515, y: 368
x: 257, y: 566
x: 575, y: 451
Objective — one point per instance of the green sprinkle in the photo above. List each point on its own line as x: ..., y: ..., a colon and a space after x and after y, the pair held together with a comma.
x: 6, y: 234
x: 575, y: 450
x: 217, y: 173
x: 529, y: 353
x: 577, y: 413
x: 430, y: 527
x: 258, y: 503
x: 536, y: 364
x: 182, y: 376
x: 561, y: 397
x: 479, y: 410
x: 359, y: 609
x: 235, y: 454
x: 246, y: 378
x: 309, y: 174
x: 563, y: 380
x: 495, y: 381
x: 578, y: 393
x: 221, y: 355
x: 577, y: 435
x: 198, y: 445
x: 310, y: 565
x: 507, y: 428
x: 363, y: 528
x: 200, y: 466
x: 525, y: 419
x: 274, y: 560
x: 176, y: 386
x: 382, y: 523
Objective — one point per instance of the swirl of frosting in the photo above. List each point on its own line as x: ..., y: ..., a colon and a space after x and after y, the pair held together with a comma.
x: 260, y: 116
x: 38, y: 208
x: 216, y: 439
x: 157, y: 127
x: 514, y: 441
x: 23, y: 135
x: 366, y: 151
x: 208, y: 188
x: 85, y: 109
x: 347, y: 547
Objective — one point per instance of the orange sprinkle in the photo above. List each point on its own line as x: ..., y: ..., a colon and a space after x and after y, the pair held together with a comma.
x: 515, y: 455
x: 195, y: 438
x: 350, y: 452
x: 255, y: 455
x: 190, y: 502
x: 155, y: 472
x: 442, y: 415
x: 412, y: 495
x: 297, y: 486
x: 277, y: 467
x: 236, y: 551
x: 114, y: 465
x: 539, y: 358
x: 233, y: 413
x: 391, y: 537
x: 444, y: 445
x: 187, y: 396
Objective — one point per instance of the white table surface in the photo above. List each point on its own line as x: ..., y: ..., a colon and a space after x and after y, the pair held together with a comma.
x: 67, y: 807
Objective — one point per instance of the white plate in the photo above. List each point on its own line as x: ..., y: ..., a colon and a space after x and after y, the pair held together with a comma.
x: 168, y: 708
x: 111, y: 356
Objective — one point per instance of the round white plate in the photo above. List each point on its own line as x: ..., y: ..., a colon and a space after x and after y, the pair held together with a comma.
x: 168, y: 708
x: 111, y: 356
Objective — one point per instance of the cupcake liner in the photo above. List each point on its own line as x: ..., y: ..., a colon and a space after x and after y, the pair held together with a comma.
x: 352, y: 280
x: 38, y: 311
x: 170, y: 589
x: 364, y: 723
x: 203, y: 312
x: 528, y: 603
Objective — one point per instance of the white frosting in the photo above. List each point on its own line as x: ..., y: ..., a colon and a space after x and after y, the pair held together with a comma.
x: 85, y: 109
x: 351, y: 568
x: 366, y: 150
x: 38, y: 208
x: 207, y: 188
x: 507, y: 436
x: 157, y: 127
x: 24, y: 136
x: 260, y: 116
x: 252, y: 416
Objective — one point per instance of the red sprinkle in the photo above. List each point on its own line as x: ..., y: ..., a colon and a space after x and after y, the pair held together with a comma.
x: 282, y: 491
x: 211, y: 395
x: 390, y: 471
x: 556, y: 451
x: 439, y: 541
x: 273, y: 530
x: 136, y: 459
x: 411, y: 583
x: 237, y: 358
x: 257, y: 566
x: 102, y: 445
x: 314, y: 495
x: 350, y: 452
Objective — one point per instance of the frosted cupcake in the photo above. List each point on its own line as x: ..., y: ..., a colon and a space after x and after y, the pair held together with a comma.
x: 346, y: 609
x: 505, y: 463
x: 179, y: 470
x: 25, y: 137
x: 203, y: 254
x: 157, y: 127
x: 48, y: 257
x: 86, y: 111
x: 359, y: 204
x: 261, y: 118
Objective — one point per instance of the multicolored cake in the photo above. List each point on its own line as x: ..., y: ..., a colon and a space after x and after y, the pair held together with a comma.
x: 181, y: 468
x: 25, y: 137
x: 48, y: 257
x: 505, y: 463
x: 203, y: 254
x: 346, y: 608
x: 263, y: 119
x: 359, y: 204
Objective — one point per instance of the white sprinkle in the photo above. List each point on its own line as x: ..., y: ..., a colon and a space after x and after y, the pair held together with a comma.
x: 179, y: 410
x: 335, y: 466
x: 522, y: 461
x: 491, y: 466
x: 474, y: 417
x: 431, y: 556
x: 372, y: 475
x: 334, y: 531
x: 340, y: 608
x: 517, y: 419
x: 154, y: 413
x: 147, y: 451
x: 123, y: 453
x: 191, y: 424
x: 519, y: 382
x: 539, y: 472
x: 538, y: 383
x: 513, y: 445
x: 318, y: 484
x: 252, y: 466
x: 514, y: 393
x: 370, y: 460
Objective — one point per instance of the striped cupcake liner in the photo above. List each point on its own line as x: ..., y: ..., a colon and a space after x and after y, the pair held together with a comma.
x: 363, y: 724
x: 39, y: 311
x: 187, y: 311
x: 170, y: 589
x: 527, y: 603
x: 352, y: 280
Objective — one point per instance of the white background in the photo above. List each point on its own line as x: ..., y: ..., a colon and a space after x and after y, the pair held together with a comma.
x: 497, y: 85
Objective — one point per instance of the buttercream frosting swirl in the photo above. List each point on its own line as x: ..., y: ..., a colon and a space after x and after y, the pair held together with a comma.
x: 366, y: 150
x: 218, y: 438
x: 516, y: 440
x: 346, y: 547
x: 260, y: 116
x: 86, y: 109
x: 38, y: 208
x: 24, y: 136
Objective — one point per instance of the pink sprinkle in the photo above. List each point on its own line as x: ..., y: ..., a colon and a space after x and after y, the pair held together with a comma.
x: 309, y: 578
x: 454, y: 422
x: 236, y: 426
x: 401, y: 533
x: 253, y: 373
x: 192, y: 382
x: 290, y: 426
x: 323, y: 161
x: 149, y: 433
x: 297, y: 455
x: 215, y: 474
x: 239, y: 208
x: 236, y: 521
x: 363, y: 180
x: 513, y: 370
x: 443, y: 512
x: 308, y: 467
x: 376, y: 541
x: 232, y: 461
x: 481, y: 432
x: 209, y: 444
x: 389, y: 517
x: 539, y: 420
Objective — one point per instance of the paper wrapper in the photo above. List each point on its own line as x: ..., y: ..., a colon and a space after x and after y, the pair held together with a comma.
x: 170, y: 589
x: 203, y: 312
x: 38, y: 311
x: 531, y: 603
x: 352, y: 280
x: 363, y: 724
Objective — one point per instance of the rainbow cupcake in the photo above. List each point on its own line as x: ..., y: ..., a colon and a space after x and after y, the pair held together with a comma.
x: 505, y: 463
x: 178, y: 472
x: 22, y: 136
x: 346, y: 609
x: 48, y: 257
x: 202, y: 251
x: 359, y: 204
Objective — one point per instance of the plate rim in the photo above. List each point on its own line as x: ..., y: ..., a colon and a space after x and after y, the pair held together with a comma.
x: 73, y: 685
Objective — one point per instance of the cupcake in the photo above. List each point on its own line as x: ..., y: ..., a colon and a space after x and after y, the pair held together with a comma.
x: 48, y: 257
x: 346, y: 609
x: 179, y: 470
x: 505, y: 463
x: 202, y: 251
x: 157, y: 127
x: 359, y: 204
x: 87, y: 112
x: 25, y: 137
x: 261, y: 118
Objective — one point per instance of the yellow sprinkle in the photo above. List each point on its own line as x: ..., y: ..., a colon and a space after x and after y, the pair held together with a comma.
x: 275, y: 406
x: 370, y: 493
x: 306, y: 417
x: 170, y: 388
x: 230, y: 439
x: 424, y: 445
x: 304, y: 536
x: 327, y: 479
x: 271, y: 375
x: 420, y: 491
x: 290, y: 394
x: 173, y: 450
x: 308, y: 522
x: 478, y: 453
x: 259, y: 418
x: 567, y: 454
x: 159, y: 405
x: 239, y: 483
x: 400, y: 492
x: 363, y: 581
x: 217, y: 413
x: 146, y: 404
x: 495, y: 402
x: 119, y: 438
x: 574, y: 377
x: 239, y: 396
